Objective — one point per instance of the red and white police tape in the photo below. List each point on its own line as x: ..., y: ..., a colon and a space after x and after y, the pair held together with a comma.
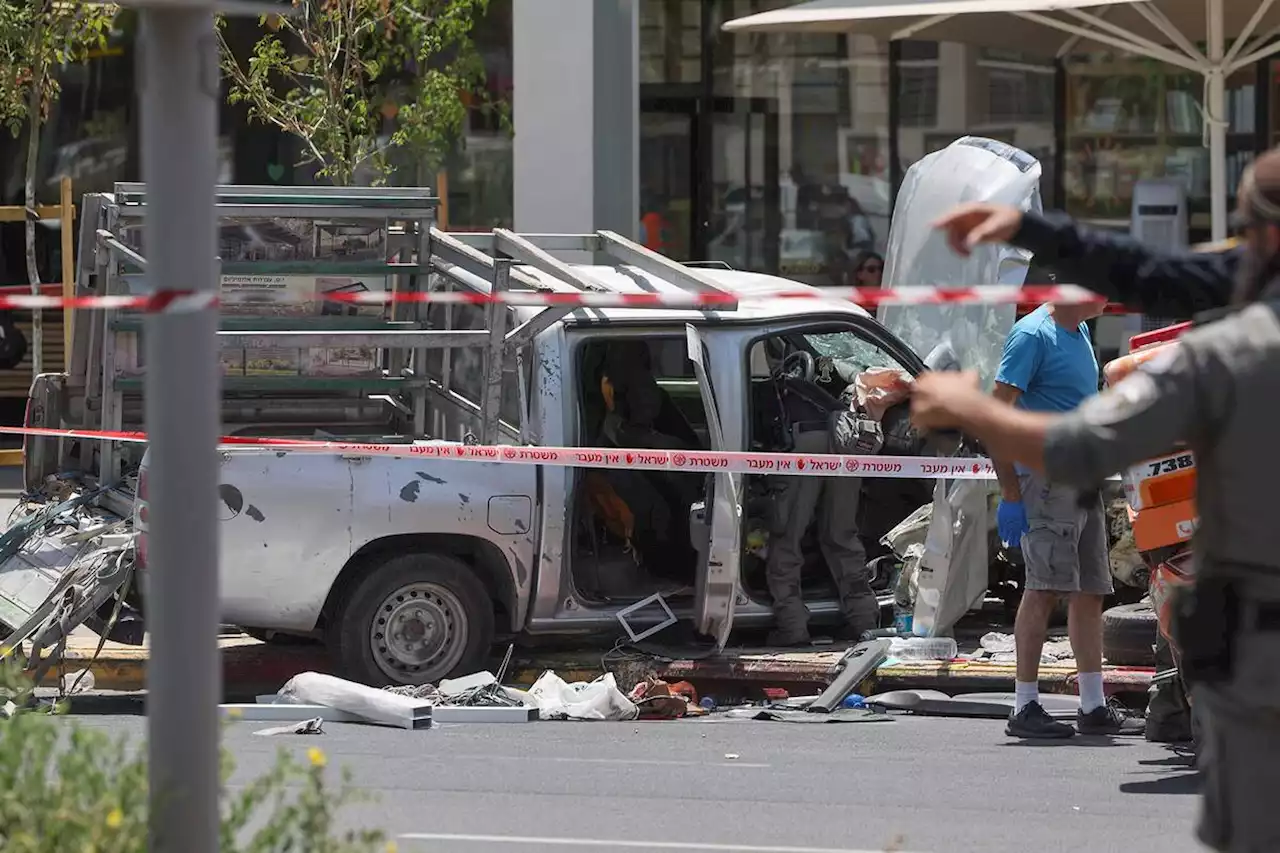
x: 179, y: 301
x: 701, y: 461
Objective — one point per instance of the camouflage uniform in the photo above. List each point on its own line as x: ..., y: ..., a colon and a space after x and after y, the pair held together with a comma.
x: 1217, y: 391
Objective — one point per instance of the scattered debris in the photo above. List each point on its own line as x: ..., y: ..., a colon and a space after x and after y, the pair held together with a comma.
x: 314, y: 726
x: 375, y: 706
x: 658, y: 700
x: 1000, y: 648
x: 791, y: 715
x: 69, y: 553
x: 601, y: 699
x: 857, y: 663
x: 80, y: 681
x: 669, y: 618
x: 994, y: 706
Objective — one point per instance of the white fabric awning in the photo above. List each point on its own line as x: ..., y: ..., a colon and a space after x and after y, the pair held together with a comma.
x: 1168, y: 30
x: 1236, y: 34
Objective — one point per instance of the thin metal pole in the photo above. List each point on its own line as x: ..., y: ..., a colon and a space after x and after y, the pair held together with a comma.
x: 179, y: 78
x: 1215, y: 116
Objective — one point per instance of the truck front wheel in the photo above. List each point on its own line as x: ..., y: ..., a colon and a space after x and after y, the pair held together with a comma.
x: 412, y: 619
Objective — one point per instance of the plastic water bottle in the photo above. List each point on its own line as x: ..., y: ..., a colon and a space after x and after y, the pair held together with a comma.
x: 923, y: 648
x: 902, y: 619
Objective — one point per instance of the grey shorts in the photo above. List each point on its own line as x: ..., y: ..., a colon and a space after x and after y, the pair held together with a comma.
x: 1065, y: 548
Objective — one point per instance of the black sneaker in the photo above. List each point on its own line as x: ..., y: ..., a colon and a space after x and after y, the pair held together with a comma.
x: 1109, y: 719
x: 1034, y: 722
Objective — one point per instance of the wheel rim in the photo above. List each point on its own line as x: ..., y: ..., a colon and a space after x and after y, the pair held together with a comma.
x: 419, y: 633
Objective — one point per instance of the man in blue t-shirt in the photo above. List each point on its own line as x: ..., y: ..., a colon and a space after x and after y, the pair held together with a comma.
x: 1049, y: 366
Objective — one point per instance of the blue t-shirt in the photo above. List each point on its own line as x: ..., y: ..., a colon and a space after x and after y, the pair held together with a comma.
x: 1054, y: 368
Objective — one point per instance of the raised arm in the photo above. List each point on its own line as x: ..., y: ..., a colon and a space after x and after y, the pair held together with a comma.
x: 1167, y: 284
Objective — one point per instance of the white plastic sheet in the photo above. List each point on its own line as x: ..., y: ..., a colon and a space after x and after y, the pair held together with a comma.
x: 557, y: 699
x: 957, y: 336
x: 954, y: 571
x: 376, y: 706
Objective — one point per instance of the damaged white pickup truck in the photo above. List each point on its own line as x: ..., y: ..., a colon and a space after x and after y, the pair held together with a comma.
x: 408, y: 567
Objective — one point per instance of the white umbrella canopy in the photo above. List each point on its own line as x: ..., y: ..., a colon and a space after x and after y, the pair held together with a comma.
x: 1235, y: 33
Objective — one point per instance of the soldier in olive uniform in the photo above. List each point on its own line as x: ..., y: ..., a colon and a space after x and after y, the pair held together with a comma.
x: 1217, y: 391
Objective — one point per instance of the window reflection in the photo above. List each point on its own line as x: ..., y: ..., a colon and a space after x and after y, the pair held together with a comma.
x: 949, y: 90
x: 826, y: 95
x: 1131, y: 119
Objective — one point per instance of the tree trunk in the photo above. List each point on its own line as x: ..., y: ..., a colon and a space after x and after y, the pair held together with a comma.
x: 33, y: 156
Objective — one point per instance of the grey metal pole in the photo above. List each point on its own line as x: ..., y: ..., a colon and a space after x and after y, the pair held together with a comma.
x: 179, y: 79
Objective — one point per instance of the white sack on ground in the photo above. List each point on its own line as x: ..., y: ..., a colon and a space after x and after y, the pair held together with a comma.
x: 954, y: 569
x: 556, y: 699
x: 377, y: 706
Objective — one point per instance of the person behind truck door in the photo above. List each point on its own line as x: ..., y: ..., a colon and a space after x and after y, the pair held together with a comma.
x: 1049, y: 366
x: 806, y: 416
x: 1217, y: 391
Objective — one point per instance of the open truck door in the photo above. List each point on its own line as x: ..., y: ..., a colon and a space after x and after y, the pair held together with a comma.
x: 717, y: 525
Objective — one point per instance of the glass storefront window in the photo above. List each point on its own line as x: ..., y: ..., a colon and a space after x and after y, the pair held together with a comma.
x: 479, y: 175
x: 670, y: 41
x: 799, y: 166
x: 949, y: 90
x: 1132, y: 119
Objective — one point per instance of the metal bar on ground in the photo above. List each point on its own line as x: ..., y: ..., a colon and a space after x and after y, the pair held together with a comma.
x: 483, y: 714
x: 178, y: 79
x: 288, y: 713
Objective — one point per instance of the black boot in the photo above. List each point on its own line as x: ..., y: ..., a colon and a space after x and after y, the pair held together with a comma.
x: 1168, y: 712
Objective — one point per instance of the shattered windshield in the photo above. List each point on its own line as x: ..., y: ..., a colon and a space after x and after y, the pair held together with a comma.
x: 851, y: 351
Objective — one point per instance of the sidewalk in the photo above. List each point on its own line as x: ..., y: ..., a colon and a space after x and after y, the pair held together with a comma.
x: 251, y: 667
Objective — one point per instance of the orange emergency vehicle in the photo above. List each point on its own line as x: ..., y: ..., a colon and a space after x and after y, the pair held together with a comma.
x: 1160, y: 492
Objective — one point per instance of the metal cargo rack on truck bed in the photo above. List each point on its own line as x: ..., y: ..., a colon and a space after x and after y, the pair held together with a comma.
x: 412, y: 391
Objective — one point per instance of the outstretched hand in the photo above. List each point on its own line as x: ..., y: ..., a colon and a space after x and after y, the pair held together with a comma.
x: 939, y: 399
x: 971, y: 225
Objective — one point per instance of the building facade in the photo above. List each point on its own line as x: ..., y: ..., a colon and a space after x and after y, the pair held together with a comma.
x: 772, y: 153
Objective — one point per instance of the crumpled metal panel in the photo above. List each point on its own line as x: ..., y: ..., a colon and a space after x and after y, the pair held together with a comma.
x: 29, y: 576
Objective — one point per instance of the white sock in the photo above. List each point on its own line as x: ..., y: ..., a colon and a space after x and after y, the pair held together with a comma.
x: 1024, y: 693
x: 1092, y: 696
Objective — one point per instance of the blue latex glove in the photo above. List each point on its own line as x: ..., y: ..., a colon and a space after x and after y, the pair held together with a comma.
x: 1011, y: 522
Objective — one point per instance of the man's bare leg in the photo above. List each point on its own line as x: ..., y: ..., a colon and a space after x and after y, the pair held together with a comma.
x: 1029, y: 631
x: 1029, y: 719
x: 1084, y: 627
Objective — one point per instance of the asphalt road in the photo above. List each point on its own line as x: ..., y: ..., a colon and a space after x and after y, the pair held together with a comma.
x: 913, y: 785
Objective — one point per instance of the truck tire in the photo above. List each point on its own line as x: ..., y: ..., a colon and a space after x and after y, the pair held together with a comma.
x: 412, y: 619
x: 1129, y: 635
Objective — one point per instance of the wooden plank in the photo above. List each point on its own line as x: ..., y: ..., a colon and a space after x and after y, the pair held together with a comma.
x: 18, y: 213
